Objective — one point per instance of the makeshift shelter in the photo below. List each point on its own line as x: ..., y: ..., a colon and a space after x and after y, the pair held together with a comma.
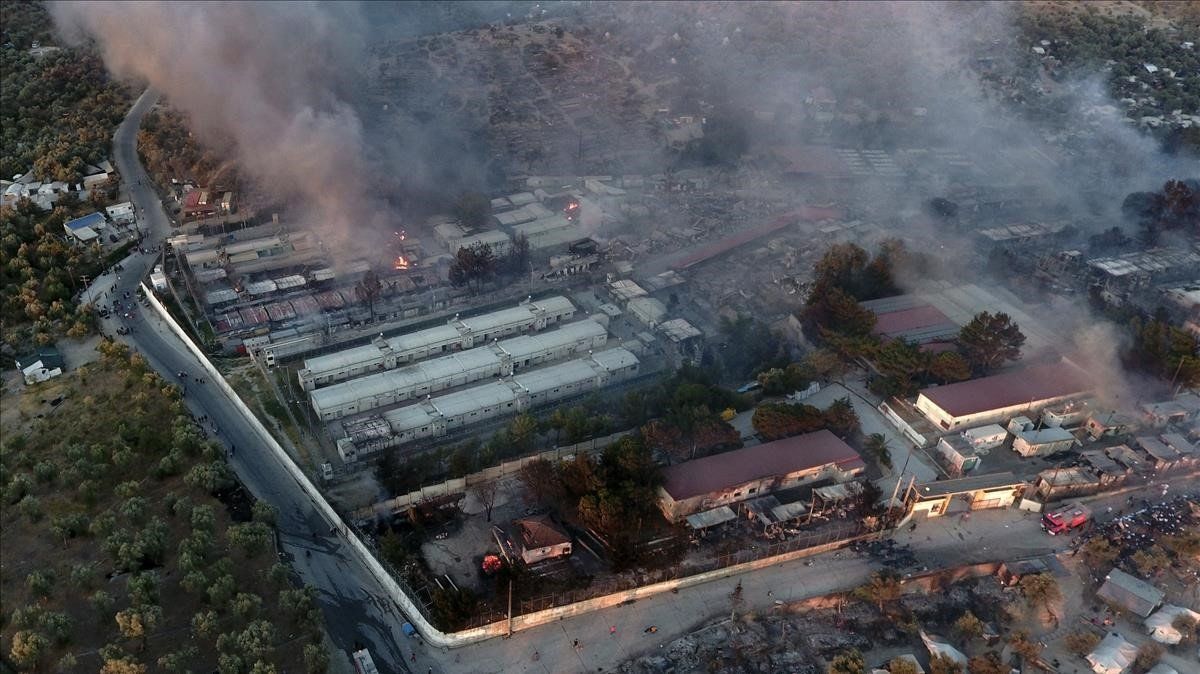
x: 45, y: 363
x: 1130, y: 593
x: 711, y: 518
x: 1113, y: 655
x: 1162, y: 668
x: 790, y: 511
x: 1159, y: 625
x: 937, y: 646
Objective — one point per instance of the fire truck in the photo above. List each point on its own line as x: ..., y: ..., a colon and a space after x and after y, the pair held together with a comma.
x: 1065, y: 519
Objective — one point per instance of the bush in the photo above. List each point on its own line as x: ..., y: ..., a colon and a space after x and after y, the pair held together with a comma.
x: 40, y: 583
x: 1081, y: 643
x: 1148, y: 655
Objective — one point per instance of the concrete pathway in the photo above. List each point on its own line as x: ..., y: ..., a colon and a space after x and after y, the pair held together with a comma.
x: 1000, y: 534
x: 907, y: 460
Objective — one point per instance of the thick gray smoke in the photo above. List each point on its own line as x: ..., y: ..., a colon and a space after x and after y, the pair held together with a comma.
x: 1060, y: 143
x: 883, y: 60
x: 272, y: 76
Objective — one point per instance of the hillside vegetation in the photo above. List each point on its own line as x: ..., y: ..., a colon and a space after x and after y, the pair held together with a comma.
x: 128, y: 543
x: 58, y: 111
x: 58, y: 108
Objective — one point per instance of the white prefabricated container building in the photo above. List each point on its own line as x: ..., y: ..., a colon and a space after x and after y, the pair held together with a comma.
x: 501, y: 358
x: 438, y: 416
x: 986, y: 437
x: 455, y: 335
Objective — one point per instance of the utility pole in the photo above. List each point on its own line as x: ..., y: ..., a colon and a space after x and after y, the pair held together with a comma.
x: 1175, y: 391
x: 899, y: 478
x: 510, y: 613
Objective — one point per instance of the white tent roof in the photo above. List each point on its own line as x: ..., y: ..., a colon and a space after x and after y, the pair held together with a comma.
x: 1112, y: 655
x: 938, y: 647
x: 1159, y: 624
x: 1162, y: 668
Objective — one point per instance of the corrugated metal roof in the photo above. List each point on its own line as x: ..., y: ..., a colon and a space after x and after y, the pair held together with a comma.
x: 965, y: 485
x: 1129, y: 592
x: 781, y: 457
x: 1045, y: 436
x: 897, y: 322
x: 92, y: 220
x: 612, y: 360
x: 463, y: 403
x: 1028, y: 385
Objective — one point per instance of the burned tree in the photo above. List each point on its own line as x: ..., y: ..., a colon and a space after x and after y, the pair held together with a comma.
x: 368, y: 289
x: 486, y: 493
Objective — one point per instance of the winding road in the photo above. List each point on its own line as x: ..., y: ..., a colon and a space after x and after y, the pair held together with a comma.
x: 357, y: 609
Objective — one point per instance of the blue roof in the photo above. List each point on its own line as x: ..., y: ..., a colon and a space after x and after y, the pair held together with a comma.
x: 89, y: 220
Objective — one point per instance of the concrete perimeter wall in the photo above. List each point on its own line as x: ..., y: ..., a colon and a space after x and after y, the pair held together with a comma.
x: 381, y: 574
x: 406, y: 604
x: 460, y: 485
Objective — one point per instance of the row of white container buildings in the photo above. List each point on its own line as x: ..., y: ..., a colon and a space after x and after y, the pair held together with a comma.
x: 436, y: 417
x: 500, y: 358
x: 456, y: 335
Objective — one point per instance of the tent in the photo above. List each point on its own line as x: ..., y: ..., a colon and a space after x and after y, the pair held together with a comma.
x: 1162, y: 668
x: 1112, y: 655
x: 1159, y: 624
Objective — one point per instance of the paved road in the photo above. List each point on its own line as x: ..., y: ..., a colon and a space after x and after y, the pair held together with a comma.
x: 357, y: 609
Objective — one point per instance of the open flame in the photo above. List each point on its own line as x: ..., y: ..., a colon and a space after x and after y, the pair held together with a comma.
x: 400, y: 263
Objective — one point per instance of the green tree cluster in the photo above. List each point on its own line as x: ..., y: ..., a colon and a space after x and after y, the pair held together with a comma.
x: 1164, y: 350
x: 615, y: 494
x: 990, y: 340
x: 157, y: 537
x: 1086, y: 41
x: 171, y: 152
x: 773, y: 421
x: 57, y: 109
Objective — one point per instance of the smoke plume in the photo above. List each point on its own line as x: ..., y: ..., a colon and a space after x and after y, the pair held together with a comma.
x: 272, y: 76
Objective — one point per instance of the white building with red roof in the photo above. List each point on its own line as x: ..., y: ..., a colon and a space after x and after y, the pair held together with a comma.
x: 1000, y: 397
x: 729, y: 477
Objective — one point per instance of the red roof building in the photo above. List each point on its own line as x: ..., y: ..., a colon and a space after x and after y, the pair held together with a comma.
x: 1000, y: 397
x: 202, y: 202
x: 721, y: 479
x: 910, y: 318
x: 898, y: 322
x: 534, y: 539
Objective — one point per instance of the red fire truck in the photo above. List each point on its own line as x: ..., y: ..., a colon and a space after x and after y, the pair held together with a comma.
x: 1065, y: 519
